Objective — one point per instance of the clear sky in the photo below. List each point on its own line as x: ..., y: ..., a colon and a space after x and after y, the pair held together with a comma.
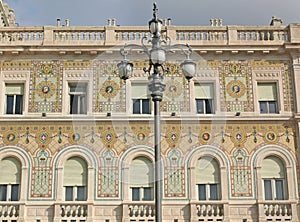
x: 139, y: 12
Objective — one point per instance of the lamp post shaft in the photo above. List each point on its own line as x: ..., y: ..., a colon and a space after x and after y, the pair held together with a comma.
x: 158, y: 167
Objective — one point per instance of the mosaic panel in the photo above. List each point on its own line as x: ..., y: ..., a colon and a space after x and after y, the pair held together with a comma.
x: 108, y: 90
x: 109, y: 176
x: 45, y: 88
x: 174, y: 181
x: 241, y: 175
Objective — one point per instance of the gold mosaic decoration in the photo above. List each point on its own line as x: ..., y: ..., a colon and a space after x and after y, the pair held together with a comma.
x: 173, y: 89
x: 109, y: 89
x: 235, y: 89
x: 45, y: 89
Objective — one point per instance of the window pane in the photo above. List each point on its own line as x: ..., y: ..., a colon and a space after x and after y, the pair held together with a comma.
x: 73, y: 104
x: 19, y: 104
x: 268, y: 190
x: 273, y: 107
x: 200, y: 105
x: 135, y: 193
x: 14, y: 192
x: 209, y: 106
x: 3, y: 191
x: 136, y: 106
x: 9, y: 104
x: 279, y: 190
x: 214, y: 192
x: 81, y: 193
x: 202, y: 191
x: 263, y: 107
x: 82, y: 104
x: 69, y: 193
x: 146, y: 106
x: 148, y: 193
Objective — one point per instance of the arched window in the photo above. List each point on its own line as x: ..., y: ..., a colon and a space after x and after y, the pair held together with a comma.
x: 273, y: 176
x: 10, y: 179
x: 208, y: 179
x: 141, y: 179
x: 75, y: 179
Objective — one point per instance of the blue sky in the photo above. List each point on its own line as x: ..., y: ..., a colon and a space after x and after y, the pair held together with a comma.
x: 139, y: 12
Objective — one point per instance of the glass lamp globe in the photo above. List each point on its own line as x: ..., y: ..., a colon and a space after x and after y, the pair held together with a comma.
x: 158, y: 56
x: 125, y: 69
x: 188, y: 68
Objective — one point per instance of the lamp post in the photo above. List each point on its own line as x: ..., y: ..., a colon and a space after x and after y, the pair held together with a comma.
x: 157, y: 57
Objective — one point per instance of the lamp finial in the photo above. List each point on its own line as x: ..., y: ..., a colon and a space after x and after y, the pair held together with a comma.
x: 155, y: 10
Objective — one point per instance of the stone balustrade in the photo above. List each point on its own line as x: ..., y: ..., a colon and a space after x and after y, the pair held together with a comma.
x: 9, y: 212
x: 141, y: 211
x: 115, y: 35
x: 210, y: 211
x: 275, y: 211
x: 73, y: 212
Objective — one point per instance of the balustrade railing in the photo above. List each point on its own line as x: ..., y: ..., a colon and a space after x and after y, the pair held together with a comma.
x: 82, y: 34
x: 73, y: 212
x: 210, y: 211
x: 9, y: 212
x: 275, y: 211
x: 110, y: 35
x: 137, y: 211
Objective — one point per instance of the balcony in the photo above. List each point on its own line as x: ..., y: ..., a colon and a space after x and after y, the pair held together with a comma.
x: 68, y: 212
x: 277, y: 210
x: 139, y: 211
x: 9, y: 211
x: 207, y: 211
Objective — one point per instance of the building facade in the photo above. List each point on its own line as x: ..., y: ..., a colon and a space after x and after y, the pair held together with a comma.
x: 76, y: 142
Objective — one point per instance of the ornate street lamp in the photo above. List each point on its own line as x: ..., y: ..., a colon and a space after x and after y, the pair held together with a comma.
x: 157, y: 57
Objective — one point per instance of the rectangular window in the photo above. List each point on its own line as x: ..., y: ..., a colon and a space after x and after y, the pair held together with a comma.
x: 78, y: 101
x: 81, y: 193
x: 267, y: 97
x: 213, y: 190
x: 208, y: 192
x: 204, y: 96
x: 279, y: 190
x: 268, y: 190
x: 14, y: 98
x: 202, y: 191
x: 148, y: 193
x: 69, y: 193
x: 136, y: 194
x: 3, y: 192
x: 141, y: 106
x: 14, y: 192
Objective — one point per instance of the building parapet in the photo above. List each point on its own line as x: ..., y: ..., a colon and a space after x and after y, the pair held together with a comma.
x: 118, y: 35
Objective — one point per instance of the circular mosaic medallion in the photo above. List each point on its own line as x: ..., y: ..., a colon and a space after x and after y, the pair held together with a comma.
x: 140, y: 137
x: 173, y: 137
x: 11, y: 138
x: 204, y: 137
x: 238, y: 137
x: 108, y: 137
x: 271, y: 137
x: 45, y: 89
x: 75, y: 138
x: 109, y: 89
x: 235, y: 89
x: 173, y: 89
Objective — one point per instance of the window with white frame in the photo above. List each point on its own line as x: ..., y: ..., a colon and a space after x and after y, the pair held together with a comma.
x: 78, y: 98
x: 267, y: 97
x: 141, y: 179
x: 204, y: 97
x: 208, y: 179
x: 14, y: 98
x: 10, y: 179
x: 75, y: 179
x: 273, y: 178
x: 141, y: 102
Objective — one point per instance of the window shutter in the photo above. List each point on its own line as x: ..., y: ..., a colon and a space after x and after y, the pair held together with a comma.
x: 272, y: 167
x: 139, y: 90
x: 15, y: 89
x: 141, y: 172
x: 10, y: 171
x: 204, y: 91
x: 267, y: 91
x: 207, y: 171
x: 75, y: 172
